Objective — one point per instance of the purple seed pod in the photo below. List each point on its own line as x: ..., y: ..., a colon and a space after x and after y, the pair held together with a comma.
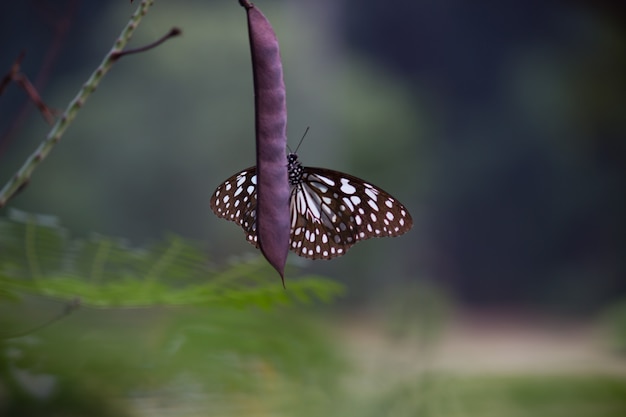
x: 272, y: 216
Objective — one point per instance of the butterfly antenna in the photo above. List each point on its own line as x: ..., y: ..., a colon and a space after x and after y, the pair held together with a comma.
x: 300, y: 143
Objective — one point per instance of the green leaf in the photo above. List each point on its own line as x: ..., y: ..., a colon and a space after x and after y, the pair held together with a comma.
x: 38, y: 257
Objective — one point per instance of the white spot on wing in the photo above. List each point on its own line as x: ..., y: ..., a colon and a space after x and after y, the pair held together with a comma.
x: 346, y: 187
x: 326, y: 180
x: 371, y: 193
x: 372, y: 204
x: 355, y: 199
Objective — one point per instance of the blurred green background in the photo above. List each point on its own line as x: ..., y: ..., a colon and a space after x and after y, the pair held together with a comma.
x: 500, y: 125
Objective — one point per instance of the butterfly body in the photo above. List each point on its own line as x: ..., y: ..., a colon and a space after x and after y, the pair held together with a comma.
x: 330, y: 211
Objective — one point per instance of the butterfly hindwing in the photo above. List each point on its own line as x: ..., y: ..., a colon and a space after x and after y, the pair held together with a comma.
x: 235, y: 200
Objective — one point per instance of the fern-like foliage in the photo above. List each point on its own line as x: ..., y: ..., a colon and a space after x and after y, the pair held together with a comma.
x: 37, y: 256
x: 217, y: 351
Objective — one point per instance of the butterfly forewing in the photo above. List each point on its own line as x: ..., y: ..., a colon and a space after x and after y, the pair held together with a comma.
x: 235, y: 200
x: 331, y: 211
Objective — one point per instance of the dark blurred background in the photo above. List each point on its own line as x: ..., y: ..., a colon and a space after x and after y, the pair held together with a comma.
x: 501, y: 125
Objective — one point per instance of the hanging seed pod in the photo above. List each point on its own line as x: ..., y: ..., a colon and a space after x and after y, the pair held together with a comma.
x: 270, y: 106
x: 280, y: 204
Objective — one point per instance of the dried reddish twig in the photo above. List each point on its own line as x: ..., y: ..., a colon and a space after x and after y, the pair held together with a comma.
x: 22, y: 80
x: 6, y: 80
x: 60, y: 24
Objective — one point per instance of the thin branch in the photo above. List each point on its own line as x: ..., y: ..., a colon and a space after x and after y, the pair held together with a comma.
x: 68, y: 309
x: 60, y: 25
x: 172, y: 33
x: 22, y: 80
x: 15, y: 68
x: 57, y: 131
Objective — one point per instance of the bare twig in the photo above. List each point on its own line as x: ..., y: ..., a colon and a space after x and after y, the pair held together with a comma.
x: 172, y: 33
x: 60, y: 24
x: 57, y: 131
x: 6, y: 80
x: 22, y: 80
x: 68, y: 309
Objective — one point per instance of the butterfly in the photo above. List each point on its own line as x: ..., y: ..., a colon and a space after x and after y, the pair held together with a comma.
x: 330, y: 211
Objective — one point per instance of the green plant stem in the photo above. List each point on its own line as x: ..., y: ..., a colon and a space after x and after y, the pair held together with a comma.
x: 22, y: 176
